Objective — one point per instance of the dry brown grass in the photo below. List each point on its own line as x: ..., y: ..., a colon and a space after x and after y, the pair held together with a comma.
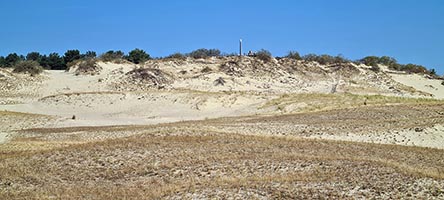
x: 316, y: 102
x: 155, y: 165
x: 207, y: 159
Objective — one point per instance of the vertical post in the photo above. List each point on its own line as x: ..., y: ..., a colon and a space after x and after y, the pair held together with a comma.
x: 240, y: 47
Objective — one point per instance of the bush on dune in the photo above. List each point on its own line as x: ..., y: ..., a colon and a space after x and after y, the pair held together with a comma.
x: 204, y: 53
x: 325, y: 59
x: 294, y: 55
x: 177, y: 56
x: 264, y: 55
x: 31, y: 67
x: 138, y: 56
x: 88, y: 66
x: 112, y: 56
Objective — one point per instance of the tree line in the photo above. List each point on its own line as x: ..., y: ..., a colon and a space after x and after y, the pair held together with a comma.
x: 54, y: 61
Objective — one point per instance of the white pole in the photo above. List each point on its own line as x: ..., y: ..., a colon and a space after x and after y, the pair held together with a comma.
x: 240, y: 47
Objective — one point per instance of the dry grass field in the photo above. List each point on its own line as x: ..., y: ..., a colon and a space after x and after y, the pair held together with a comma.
x: 211, y: 159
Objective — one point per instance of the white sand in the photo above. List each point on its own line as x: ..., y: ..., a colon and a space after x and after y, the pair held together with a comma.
x: 430, y: 137
x: 3, y: 137
x: 419, y: 82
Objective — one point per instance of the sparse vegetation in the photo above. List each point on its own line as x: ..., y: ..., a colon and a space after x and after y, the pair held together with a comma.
x: 318, y: 102
x: 87, y: 66
x: 112, y: 56
x: 391, y: 63
x: 294, y: 55
x: 242, y: 165
x: 206, y: 70
x: 31, y: 67
x: 204, y: 53
x: 326, y: 59
x: 56, y: 62
x: 177, y: 56
x: 149, y: 77
x: 264, y: 55
x: 219, y: 81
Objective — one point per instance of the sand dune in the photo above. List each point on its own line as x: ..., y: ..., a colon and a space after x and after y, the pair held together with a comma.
x: 221, y: 128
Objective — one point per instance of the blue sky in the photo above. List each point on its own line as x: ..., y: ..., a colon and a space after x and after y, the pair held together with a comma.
x: 410, y: 30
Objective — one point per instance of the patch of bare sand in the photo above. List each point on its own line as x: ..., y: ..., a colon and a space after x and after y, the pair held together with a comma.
x: 421, y: 83
x: 3, y: 137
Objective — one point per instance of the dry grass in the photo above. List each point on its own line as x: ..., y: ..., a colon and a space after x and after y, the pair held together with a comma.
x: 219, y: 159
x: 147, y: 166
x: 291, y: 103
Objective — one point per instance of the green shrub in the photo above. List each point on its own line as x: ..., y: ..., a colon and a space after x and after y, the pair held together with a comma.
x: 204, y: 53
x: 138, y: 56
x: 370, y: 61
x: 325, y: 59
x: 112, y: 56
x: 206, y: 70
x: 294, y: 55
x: 264, y: 55
x: 413, y: 68
x: 88, y: 66
x: 375, y: 68
x: 177, y: 56
x: 29, y: 66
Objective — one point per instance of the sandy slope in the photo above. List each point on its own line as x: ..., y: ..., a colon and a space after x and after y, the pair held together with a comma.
x: 421, y: 83
x: 116, y: 96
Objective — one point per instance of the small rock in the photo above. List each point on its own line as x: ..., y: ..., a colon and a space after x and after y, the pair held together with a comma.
x: 419, y: 129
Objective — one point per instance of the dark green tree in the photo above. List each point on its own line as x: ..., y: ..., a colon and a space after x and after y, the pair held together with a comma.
x: 35, y: 56
x: 56, y: 62
x: 44, y: 62
x: 2, y: 61
x: 433, y: 72
x: 12, y: 59
x: 71, y: 55
x: 89, y: 54
x: 138, y: 56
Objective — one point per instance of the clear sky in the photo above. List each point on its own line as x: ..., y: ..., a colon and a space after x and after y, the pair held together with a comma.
x: 410, y: 30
